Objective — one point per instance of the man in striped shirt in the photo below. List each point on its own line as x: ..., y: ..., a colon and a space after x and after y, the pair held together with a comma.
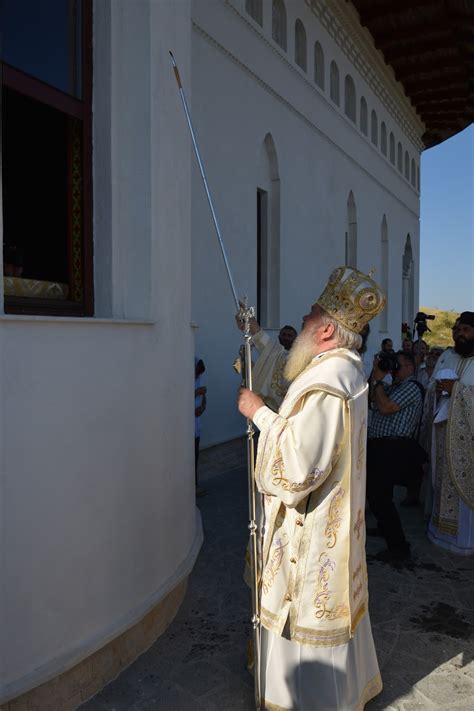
x: 393, y: 454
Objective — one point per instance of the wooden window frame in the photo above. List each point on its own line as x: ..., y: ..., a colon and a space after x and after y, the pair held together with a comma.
x: 80, y: 109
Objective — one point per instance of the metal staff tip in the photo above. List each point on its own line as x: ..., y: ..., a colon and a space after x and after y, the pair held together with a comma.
x: 176, y: 71
x: 204, y: 179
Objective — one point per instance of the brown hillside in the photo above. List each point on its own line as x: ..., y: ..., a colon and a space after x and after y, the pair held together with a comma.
x: 440, y: 328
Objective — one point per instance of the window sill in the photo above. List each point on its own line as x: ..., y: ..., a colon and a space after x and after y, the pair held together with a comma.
x: 73, y: 319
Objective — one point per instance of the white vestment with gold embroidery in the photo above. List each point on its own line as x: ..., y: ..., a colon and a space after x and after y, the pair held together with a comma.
x: 452, y: 462
x: 313, y: 577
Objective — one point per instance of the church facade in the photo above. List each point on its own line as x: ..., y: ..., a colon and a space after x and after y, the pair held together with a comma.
x: 312, y: 153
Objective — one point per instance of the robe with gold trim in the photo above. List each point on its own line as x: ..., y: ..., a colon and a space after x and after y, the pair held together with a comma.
x: 452, y: 462
x: 313, y: 578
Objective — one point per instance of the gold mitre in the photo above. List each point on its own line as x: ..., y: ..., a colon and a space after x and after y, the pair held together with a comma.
x: 352, y: 298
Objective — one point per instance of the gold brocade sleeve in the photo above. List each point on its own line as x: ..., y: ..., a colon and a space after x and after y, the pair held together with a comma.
x: 296, y: 454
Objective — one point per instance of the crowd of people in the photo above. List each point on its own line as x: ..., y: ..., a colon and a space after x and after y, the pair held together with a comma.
x: 410, y: 393
x: 420, y: 437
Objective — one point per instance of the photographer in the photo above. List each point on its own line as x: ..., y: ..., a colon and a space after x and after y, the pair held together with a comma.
x: 393, y: 454
x: 421, y: 325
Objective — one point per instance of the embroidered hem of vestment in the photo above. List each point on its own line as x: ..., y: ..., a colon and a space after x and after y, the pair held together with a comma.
x: 311, y: 636
x: 445, y: 526
x: 268, y: 706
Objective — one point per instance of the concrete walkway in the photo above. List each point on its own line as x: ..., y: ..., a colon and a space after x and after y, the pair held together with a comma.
x: 422, y: 618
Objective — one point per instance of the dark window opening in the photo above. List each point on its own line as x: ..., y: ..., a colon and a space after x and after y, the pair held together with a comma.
x: 35, y: 176
x: 46, y: 163
x: 261, y: 249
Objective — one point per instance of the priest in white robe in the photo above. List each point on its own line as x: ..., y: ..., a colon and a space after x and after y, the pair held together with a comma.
x: 317, y: 645
x: 268, y: 372
x: 452, y: 444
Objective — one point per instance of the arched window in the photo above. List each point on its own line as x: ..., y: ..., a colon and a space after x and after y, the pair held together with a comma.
x: 374, y: 128
x: 383, y: 138
x: 334, y: 89
x: 300, y: 45
x: 255, y: 9
x: 384, y: 272
x: 268, y: 235
x: 279, y: 23
x: 413, y: 172
x: 408, y: 282
x: 400, y: 157
x: 351, y: 233
x: 350, y: 98
x: 407, y: 166
x: 364, y: 126
x: 319, y: 65
x: 392, y: 148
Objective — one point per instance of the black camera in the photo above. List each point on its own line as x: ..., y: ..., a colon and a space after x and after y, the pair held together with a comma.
x: 387, y: 362
x: 420, y: 316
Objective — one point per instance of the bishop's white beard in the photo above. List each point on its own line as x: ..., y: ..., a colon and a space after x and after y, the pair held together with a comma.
x: 301, y: 355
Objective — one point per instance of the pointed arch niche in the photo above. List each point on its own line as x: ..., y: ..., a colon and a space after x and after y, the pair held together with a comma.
x: 384, y: 272
x: 279, y: 23
x: 268, y: 236
x: 363, y: 116
x: 351, y: 233
x: 350, y: 98
x: 319, y: 65
x: 255, y: 9
x: 334, y: 83
x: 408, y: 282
x: 300, y: 45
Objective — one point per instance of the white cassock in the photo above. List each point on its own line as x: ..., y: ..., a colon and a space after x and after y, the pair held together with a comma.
x: 452, y: 460
x: 317, y: 645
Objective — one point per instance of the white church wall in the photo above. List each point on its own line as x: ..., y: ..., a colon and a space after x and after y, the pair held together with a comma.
x: 97, y: 414
x: 245, y: 87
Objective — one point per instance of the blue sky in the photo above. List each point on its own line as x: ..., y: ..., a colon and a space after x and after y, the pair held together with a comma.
x: 447, y: 224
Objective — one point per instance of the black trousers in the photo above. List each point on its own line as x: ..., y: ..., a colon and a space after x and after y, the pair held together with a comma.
x: 390, y: 462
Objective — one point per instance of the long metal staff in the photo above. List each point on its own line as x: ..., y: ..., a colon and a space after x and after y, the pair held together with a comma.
x: 245, y: 313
